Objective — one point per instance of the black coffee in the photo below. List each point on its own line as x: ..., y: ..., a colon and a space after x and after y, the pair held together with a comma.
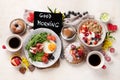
x: 14, y: 42
x: 94, y: 60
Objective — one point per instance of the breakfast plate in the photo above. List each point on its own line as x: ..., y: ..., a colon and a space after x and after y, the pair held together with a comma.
x: 49, y: 46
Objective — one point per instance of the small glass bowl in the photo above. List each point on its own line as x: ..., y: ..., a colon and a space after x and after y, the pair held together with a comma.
x: 105, y: 17
x: 68, y: 33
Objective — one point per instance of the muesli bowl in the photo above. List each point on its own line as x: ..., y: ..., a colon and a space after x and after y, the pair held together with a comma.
x: 92, y: 33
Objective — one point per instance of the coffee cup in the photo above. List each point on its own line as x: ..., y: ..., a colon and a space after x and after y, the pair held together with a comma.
x: 95, y: 59
x: 13, y: 43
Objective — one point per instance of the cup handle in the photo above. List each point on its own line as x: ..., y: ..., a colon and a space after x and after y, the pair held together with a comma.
x: 104, y: 67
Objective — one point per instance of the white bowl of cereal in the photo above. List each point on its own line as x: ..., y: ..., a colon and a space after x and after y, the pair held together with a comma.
x: 92, y: 33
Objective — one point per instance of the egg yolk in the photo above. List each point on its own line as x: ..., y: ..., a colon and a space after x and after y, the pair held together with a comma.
x: 51, y: 46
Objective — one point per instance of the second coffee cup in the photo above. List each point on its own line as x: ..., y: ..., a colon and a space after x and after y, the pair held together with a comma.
x: 95, y: 59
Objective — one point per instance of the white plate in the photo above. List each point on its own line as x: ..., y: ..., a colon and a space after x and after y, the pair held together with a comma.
x: 56, y: 53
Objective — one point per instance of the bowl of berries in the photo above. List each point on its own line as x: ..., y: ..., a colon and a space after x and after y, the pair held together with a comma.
x: 92, y: 33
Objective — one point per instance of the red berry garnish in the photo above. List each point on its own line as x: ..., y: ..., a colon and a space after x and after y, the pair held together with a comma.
x: 3, y: 46
x: 104, y: 53
x: 104, y: 67
x: 107, y: 58
x: 97, y: 36
x: 95, y: 42
x: 86, y: 34
x: 112, y: 50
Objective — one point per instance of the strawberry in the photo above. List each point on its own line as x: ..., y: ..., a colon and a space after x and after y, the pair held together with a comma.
x: 30, y: 17
x: 80, y: 52
x: 85, y: 29
x: 15, y: 61
x: 95, y: 42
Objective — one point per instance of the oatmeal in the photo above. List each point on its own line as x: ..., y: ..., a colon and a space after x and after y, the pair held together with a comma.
x: 90, y: 32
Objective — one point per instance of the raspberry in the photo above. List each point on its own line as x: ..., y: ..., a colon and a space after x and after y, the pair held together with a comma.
x: 97, y: 36
x: 112, y: 50
x: 107, y: 58
x: 3, y: 46
x: 104, y: 67
x: 86, y: 34
x: 104, y: 53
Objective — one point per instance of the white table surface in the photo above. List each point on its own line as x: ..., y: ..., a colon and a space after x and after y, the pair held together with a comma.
x: 11, y: 9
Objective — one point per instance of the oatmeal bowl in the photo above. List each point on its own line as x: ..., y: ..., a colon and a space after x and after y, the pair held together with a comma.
x: 92, y: 33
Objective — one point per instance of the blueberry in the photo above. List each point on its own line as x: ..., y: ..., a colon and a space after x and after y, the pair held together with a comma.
x: 90, y: 43
x: 80, y: 15
x: 92, y: 38
x: 69, y: 12
x: 51, y: 57
x: 85, y: 13
x: 73, y: 12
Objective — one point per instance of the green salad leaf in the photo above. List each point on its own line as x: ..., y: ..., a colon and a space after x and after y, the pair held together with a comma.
x: 41, y: 37
x: 36, y: 57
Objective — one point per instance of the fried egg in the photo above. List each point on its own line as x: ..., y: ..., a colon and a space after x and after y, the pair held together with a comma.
x: 49, y: 47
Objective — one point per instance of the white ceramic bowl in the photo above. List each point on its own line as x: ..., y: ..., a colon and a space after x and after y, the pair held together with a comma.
x: 8, y: 46
x: 99, y: 44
